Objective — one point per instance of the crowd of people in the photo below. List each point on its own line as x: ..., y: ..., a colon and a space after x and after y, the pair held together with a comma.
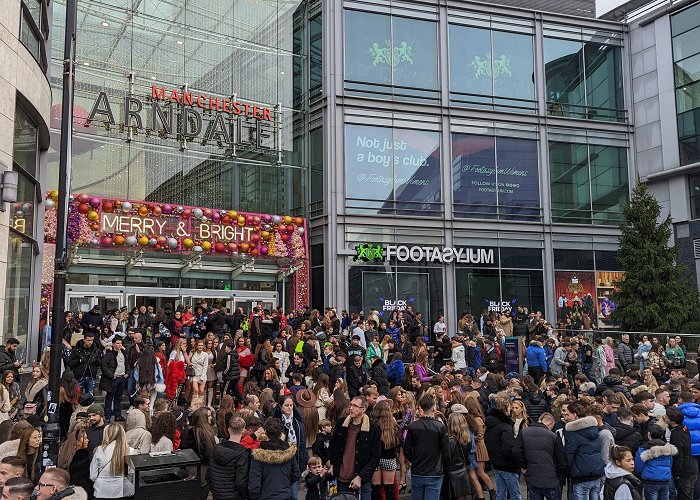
x: 357, y: 405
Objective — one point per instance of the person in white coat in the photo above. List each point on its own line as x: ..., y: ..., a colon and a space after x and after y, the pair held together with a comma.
x: 459, y: 355
x: 109, y: 463
x: 283, y: 356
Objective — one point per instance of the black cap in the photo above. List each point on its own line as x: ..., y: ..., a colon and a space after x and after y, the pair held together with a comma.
x: 12, y: 341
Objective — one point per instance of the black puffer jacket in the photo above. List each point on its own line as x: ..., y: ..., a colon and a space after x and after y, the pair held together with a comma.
x: 540, y: 451
x: 626, y: 435
x: 231, y: 369
x: 85, y: 362
x: 614, y: 383
x: 109, y: 366
x: 273, y: 469
x: 535, y: 404
x: 380, y: 377
x: 499, y: 441
x: 356, y: 378
x: 228, y: 471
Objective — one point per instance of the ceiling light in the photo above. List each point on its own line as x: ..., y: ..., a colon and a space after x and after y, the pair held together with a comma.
x: 180, y: 42
x: 105, y: 24
x: 153, y: 78
x: 86, y: 64
x: 281, y: 72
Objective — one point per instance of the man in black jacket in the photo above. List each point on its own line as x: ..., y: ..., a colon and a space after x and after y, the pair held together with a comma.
x: 115, y: 372
x: 355, y: 450
x: 427, y: 447
x: 85, y: 359
x: 8, y: 357
x: 216, y: 322
x: 92, y: 321
x: 228, y: 465
x: 684, y: 469
x: 499, y: 441
x: 540, y: 453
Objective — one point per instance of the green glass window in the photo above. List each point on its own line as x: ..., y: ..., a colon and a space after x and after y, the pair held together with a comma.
x: 24, y: 149
x: 584, y: 80
x: 491, y: 69
x: 316, y: 168
x: 685, y: 31
x: 588, y: 183
x: 694, y: 181
x: 18, y: 297
x: 315, y: 56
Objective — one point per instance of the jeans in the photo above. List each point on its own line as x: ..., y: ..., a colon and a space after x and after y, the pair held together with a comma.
x: 535, y: 493
x: 114, y: 398
x: 426, y: 487
x: 87, y: 385
x: 365, y: 490
x: 507, y: 482
x: 656, y: 491
x: 295, y: 490
x: 588, y: 490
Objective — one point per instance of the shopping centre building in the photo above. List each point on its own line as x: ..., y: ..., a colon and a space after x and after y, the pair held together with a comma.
x: 452, y: 157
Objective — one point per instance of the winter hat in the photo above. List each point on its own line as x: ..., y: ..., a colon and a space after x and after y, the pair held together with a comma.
x: 96, y: 408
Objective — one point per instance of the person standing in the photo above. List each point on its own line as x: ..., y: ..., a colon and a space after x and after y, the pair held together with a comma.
x: 536, y: 360
x: 684, y: 468
x: 653, y: 463
x: 355, y: 449
x: 92, y: 321
x: 500, y: 440
x: 540, y: 452
x: 274, y: 468
x: 85, y: 360
x: 583, y: 450
x: 113, y: 381
x: 427, y: 448
x: 228, y: 465
x: 8, y: 357
x: 624, y: 353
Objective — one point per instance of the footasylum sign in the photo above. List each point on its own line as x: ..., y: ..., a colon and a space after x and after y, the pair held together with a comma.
x: 425, y: 254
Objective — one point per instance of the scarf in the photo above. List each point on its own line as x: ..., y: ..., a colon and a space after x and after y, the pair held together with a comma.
x: 288, y: 422
x: 35, y: 389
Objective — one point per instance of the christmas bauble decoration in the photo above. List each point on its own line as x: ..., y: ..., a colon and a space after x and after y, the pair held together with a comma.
x: 92, y: 215
x: 108, y: 206
x: 126, y: 207
x: 143, y: 210
x: 143, y: 240
x: 83, y: 198
x: 276, y: 219
x: 287, y: 219
x: 119, y: 240
x: 167, y: 209
x: 54, y: 195
x: 131, y: 240
x: 197, y: 249
x: 83, y: 208
x: 157, y: 210
x: 197, y: 212
x: 94, y: 202
x: 206, y: 246
x: 172, y: 243
x: 219, y: 248
x: 107, y: 240
x: 298, y: 221
x: 188, y: 243
x: 50, y: 203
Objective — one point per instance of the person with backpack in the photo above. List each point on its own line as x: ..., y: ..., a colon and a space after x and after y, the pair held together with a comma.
x: 653, y: 464
x: 230, y: 372
x: 620, y: 482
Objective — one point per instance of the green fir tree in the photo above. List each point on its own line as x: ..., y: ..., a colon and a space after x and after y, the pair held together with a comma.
x: 656, y: 294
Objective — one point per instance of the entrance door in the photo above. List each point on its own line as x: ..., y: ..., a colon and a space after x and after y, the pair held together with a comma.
x: 83, y: 302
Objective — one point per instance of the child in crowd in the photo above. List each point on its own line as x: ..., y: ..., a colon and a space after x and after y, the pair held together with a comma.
x: 323, y: 441
x: 316, y: 480
x: 298, y: 380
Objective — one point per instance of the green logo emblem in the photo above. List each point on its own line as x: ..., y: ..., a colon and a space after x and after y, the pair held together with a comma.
x: 390, y: 55
x: 369, y: 252
x: 492, y: 69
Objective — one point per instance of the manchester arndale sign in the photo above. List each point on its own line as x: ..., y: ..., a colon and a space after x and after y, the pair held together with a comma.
x: 185, y: 116
x: 425, y: 254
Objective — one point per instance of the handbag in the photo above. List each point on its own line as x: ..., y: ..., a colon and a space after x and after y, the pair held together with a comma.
x: 29, y: 409
x: 189, y: 371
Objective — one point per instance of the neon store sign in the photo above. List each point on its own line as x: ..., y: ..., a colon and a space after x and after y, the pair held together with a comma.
x: 162, y: 227
x: 371, y: 252
x: 187, y: 116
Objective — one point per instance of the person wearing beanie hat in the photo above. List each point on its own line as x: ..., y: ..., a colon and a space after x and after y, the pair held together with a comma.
x: 96, y: 429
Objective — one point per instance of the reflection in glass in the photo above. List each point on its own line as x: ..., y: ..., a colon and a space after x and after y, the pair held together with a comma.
x: 23, y: 210
x: 609, y: 183
x: 368, y: 56
x: 315, y: 55
x: 523, y: 288
x: 415, y: 57
x: 24, y: 147
x: 571, y: 196
x: 475, y: 288
x: 564, y: 73
x: 686, y: 57
x: 17, y: 288
x: 604, y: 92
x: 392, y: 170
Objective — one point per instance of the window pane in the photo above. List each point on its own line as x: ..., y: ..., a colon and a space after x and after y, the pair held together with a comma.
x: 475, y: 288
x: 573, y: 259
x: 518, y: 179
x: 687, y: 44
x: 564, y: 74
x: 523, y: 288
x: 690, y: 150
x: 571, y: 198
x: 414, y: 289
x: 687, y: 71
x: 417, y: 171
x: 316, y: 164
x: 414, y: 53
x: 688, y: 97
x: 521, y: 257
x: 316, y: 53
x: 369, y: 166
x: 608, y: 183
x: 685, y: 20
x: 376, y: 288
x: 22, y: 211
x: 606, y: 261
x: 17, y: 288
x: 24, y: 151
x: 604, y: 81
x: 512, y: 65
x: 29, y: 38
x: 474, y: 176
x: 368, y: 53
x: 470, y: 56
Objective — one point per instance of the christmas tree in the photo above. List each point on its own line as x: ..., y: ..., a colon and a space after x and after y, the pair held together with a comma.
x: 656, y: 294
x: 280, y: 246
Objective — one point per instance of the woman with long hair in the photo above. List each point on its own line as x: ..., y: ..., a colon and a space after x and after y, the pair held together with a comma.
x: 462, y: 455
x: 75, y: 457
x: 163, y: 432
x: 342, y: 385
x: 200, y: 364
x: 108, y: 465
x: 340, y: 406
x: 279, y: 353
x: 30, y: 449
x: 269, y: 379
x: 225, y: 409
x: 263, y: 357
x: 13, y: 392
x: 482, y: 455
x: 244, y: 354
x: 294, y: 430
x: 408, y: 374
x: 421, y: 367
x: 35, y: 393
x: 148, y: 373
x: 323, y: 396
x: 209, y: 344
x: 200, y: 438
x: 68, y: 396
x: 383, y: 477
x: 518, y: 413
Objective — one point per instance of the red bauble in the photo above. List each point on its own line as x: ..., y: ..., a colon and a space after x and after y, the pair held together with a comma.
x: 83, y: 208
x: 107, y: 206
x: 284, y: 237
x: 162, y: 240
x: 290, y: 228
x: 207, y: 213
x: 232, y: 247
x: 83, y: 198
x: 226, y: 220
x: 254, y: 251
x: 255, y: 237
x: 157, y: 210
x: 219, y: 248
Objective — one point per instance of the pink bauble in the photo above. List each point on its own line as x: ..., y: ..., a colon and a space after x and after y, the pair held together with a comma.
x: 255, y: 237
x: 207, y: 213
x: 216, y: 216
x: 249, y: 220
x: 266, y: 218
x: 157, y: 210
x: 162, y: 240
x: 107, y: 240
x: 94, y: 202
x: 256, y: 219
x: 167, y: 209
x: 83, y: 198
x: 186, y: 213
x: 263, y: 250
x: 232, y: 247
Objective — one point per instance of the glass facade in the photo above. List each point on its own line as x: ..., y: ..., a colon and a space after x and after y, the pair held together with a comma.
x: 34, y: 29
x: 589, y: 183
x: 238, y: 55
x: 685, y: 31
x: 492, y: 69
x: 584, y: 79
x: 21, y: 242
